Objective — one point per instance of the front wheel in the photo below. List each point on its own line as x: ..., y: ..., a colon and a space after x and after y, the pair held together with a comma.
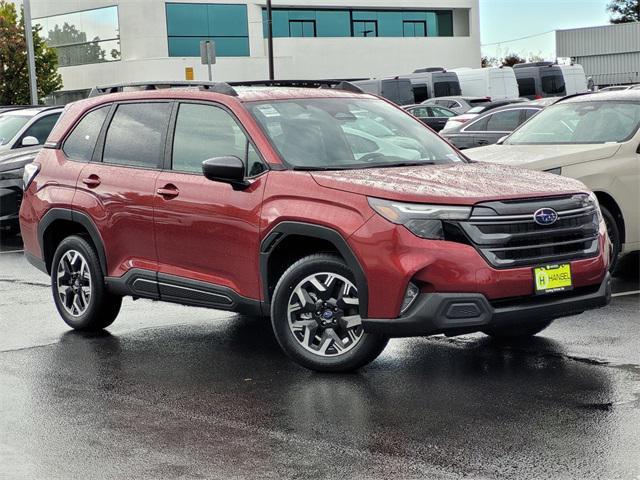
x: 78, y: 287
x: 315, y: 313
x: 614, y: 236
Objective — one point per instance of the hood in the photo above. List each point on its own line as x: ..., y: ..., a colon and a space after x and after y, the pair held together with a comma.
x: 542, y: 157
x: 459, y: 183
x: 18, y: 158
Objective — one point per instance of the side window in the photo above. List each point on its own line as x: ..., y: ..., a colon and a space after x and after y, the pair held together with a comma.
x: 529, y: 112
x: 527, y: 87
x: 504, y: 121
x: 81, y: 142
x: 40, y: 129
x: 478, y: 125
x: 441, y: 112
x: 206, y: 131
x: 136, y: 134
x: 420, y: 112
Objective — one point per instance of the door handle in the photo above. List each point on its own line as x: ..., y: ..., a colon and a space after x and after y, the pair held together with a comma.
x: 168, y: 191
x: 92, y: 181
x: 483, y: 142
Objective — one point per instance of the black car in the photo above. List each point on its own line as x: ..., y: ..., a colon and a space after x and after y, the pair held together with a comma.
x: 489, y: 127
x: 11, y: 170
x: 431, y: 115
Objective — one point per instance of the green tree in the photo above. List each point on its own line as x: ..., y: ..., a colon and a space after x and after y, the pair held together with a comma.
x: 624, y: 11
x: 14, y: 75
x: 511, y: 59
x: 79, y: 51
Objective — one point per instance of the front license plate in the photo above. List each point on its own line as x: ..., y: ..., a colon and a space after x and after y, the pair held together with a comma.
x: 552, y: 278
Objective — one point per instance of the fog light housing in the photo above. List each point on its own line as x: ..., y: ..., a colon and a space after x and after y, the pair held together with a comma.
x: 409, y: 297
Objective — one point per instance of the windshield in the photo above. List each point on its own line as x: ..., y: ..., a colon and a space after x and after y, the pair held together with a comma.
x: 344, y: 133
x: 580, y: 122
x: 10, y: 125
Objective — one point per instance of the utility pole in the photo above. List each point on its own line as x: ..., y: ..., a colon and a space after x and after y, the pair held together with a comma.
x: 270, y: 38
x: 31, y: 59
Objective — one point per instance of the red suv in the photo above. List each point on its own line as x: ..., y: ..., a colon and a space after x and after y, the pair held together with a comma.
x: 337, y: 214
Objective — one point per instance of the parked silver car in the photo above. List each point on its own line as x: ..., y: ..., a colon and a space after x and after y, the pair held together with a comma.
x: 27, y: 127
x: 458, y: 104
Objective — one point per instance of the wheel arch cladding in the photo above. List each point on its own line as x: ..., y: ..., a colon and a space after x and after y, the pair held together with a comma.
x: 59, y: 223
x: 276, y: 255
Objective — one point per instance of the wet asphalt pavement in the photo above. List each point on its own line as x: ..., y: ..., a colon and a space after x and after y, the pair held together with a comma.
x: 179, y: 392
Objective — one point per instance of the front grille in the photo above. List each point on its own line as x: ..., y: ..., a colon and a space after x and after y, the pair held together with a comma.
x: 506, y: 234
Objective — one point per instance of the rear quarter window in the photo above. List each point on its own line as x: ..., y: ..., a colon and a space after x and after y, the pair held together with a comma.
x: 81, y: 142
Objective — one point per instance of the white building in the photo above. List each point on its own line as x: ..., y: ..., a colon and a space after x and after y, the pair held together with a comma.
x: 109, y: 41
x: 610, y: 54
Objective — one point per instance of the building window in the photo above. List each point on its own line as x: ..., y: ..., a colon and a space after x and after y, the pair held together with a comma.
x: 365, y: 28
x: 414, y: 28
x: 296, y: 22
x: 189, y: 23
x: 302, y: 28
x: 81, y: 38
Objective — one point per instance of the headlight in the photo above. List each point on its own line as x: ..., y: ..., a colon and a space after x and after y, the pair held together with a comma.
x: 422, y: 220
x: 30, y: 172
x: 593, y: 200
x: 555, y: 171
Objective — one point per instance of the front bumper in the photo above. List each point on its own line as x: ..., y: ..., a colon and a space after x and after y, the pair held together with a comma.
x: 459, y: 313
x: 10, y: 198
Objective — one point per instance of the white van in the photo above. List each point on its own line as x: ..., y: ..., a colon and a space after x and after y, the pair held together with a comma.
x: 575, y: 80
x: 498, y: 83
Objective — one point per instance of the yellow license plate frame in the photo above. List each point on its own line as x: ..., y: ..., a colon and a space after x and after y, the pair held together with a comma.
x: 552, y: 278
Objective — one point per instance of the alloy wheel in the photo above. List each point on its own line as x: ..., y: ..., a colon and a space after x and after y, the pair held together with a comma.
x: 323, y: 314
x: 74, y: 283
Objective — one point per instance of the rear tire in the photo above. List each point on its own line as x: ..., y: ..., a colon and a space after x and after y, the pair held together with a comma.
x: 517, y: 332
x: 316, y: 316
x: 78, y: 287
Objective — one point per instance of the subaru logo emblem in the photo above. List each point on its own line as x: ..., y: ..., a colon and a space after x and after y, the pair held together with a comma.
x: 545, y: 216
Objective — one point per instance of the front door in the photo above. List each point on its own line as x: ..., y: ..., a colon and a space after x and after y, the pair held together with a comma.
x: 207, y: 231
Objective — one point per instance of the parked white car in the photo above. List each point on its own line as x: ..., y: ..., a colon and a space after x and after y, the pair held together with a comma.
x: 594, y: 138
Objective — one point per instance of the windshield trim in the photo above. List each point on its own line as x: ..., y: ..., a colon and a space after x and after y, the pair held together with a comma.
x: 289, y: 166
x: 624, y: 140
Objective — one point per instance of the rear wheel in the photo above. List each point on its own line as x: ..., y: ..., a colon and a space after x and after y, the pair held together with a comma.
x: 78, y: 287
x: 315, y: 314
x: 516, y: 332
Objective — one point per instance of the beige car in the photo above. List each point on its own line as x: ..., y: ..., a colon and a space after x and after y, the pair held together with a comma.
x: 593, y: 138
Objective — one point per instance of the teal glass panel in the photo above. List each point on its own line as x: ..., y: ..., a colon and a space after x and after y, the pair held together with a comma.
x: 185, y: 46
x: 432, y: 24
x: 188, y: 19
x: 230, y: 46
x: 364, y: 15
x: 228, y: 20
x: 333, y: 23
x: 280, y: 23
x: 363, y: 28
x: 390, y: 24
x: 302, y: 15
x: 414, y: 16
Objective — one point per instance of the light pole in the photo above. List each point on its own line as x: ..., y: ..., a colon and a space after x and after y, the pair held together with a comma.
x: 31, y: 59
x: 270, y: 38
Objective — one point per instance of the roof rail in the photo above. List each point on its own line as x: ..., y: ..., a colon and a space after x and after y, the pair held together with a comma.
x: 216, y: 87
x: 429, y: 70
x: 534, y: 64
x: 327, y: 83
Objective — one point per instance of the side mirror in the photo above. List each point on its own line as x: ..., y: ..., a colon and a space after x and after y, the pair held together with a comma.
x: 501, y: 140
x: 29, y: 142
x: 225, y: 169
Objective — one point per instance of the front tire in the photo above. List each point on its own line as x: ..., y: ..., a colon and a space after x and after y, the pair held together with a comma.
x: 78, y: 287
x: 315, y: 315
x: 614, y: 236
x: 517, y: 332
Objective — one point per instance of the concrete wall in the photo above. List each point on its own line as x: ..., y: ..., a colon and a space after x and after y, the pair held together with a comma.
x: 144, y: 50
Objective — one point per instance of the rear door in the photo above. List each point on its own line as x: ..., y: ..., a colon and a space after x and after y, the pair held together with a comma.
x: 439, y: 117
x: 207, y: 232
x: 498, y: 125
x: 117, y: 189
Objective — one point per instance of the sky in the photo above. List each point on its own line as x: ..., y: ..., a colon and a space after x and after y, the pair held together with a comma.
x: 505, y: 20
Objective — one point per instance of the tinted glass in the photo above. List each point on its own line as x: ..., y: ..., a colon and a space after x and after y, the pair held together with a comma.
x: 136, y: 134
x: 302, y: 28
x: 529, y: 112
x: 365, y: 29
x: 580, y: 122
x: 478, y: 126
x: 527, y: 87
x: 42, y: 128
x: 553, y: 84
x: 441, y: 112
x: 445, y: 89
x: 504, y: 121
x: 10, y: 125
x: 331, y: 133
x: 421, y: 112
x: 90, y: 36
x: 205, y: 131
x: 80, y: 144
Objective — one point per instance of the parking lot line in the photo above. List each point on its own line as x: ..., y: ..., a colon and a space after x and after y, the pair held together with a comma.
x: 13, y: 251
